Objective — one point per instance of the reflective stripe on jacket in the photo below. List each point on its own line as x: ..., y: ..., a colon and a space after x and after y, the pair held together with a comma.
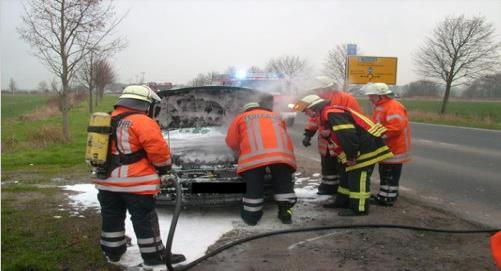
x: 136, y: 132
x: 356, y: 137
x: 393, y: 116
x: 339, y: 98
x: 260, y: 138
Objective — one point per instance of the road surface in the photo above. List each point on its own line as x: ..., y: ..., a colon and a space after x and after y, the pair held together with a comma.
x: 453, y: 168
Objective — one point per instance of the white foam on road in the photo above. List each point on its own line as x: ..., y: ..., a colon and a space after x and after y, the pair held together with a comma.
x: 195, y: 231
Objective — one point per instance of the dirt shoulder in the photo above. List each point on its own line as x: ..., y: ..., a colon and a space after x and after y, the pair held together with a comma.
x: 355, y: 249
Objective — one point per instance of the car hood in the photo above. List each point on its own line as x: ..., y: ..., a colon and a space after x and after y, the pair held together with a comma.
x: 199, y: 146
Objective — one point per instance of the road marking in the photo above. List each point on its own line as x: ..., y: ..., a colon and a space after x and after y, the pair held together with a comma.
x: 456, y: 147
x: 460, y: 127
x: 313, y: 239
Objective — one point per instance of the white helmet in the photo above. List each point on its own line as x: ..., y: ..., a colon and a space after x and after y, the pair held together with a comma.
x: 306, y: 102
x: 377, y: 89
x: 248, y: 106
x: 323, y: 81
x: 143, y: 93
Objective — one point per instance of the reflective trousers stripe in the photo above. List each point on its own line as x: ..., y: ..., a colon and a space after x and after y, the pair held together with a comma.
x: 113, y: 234
x: 113, y: 244
x: 253, y: 209
x: 285, y: 197
x: 252, y: 201
x: 151, y: 249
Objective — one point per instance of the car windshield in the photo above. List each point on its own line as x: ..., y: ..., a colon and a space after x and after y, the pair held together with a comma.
x: 205, y: 106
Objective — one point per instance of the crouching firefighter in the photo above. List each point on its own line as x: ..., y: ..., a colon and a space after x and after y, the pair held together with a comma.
x: 260, y: 138
x: 137, y: 156
x: 358, y: 145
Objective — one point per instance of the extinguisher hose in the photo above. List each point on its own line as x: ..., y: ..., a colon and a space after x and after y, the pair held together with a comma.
x: 188, y: 266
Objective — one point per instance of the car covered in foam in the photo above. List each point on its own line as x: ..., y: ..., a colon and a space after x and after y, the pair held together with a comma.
x: 194, y: 122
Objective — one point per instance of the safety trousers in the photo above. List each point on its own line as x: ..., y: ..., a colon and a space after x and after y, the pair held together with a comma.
x: 282, y: 184
x: 390, y: 177
x: 330, y: 176
x: 354, y: 188
x: 144, y: 220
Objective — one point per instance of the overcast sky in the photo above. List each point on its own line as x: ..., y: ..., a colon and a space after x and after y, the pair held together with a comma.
x: 175, y: 40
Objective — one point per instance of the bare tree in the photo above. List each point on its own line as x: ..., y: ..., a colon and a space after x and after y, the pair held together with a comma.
x: 488, y: 86
x: 12, y: 85
x: 62, y: 33
x: 255, y: 69
x: 294, y: 68
x: 202, y: 80
x: 43, y: 87
x: 290, y: 66
x: 421, y: 88
x: 460, y: 48
x: 104, y: 75
x: 335, y: 64
x: 87, y: 75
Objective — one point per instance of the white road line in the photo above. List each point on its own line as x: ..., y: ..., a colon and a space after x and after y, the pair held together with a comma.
x: 313, y: 239
x: 451, y: 126
x: 456, y: 147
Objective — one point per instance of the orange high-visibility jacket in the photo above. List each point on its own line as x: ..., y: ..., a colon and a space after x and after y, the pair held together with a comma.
x: 339, y: 98
x: 260, y: 138
x: 496, y: 248
x: 393, y: 116
x: 136, y: 132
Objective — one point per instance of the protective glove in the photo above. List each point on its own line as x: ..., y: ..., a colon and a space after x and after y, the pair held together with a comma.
x: 307, y: 141
x: 168, y: 179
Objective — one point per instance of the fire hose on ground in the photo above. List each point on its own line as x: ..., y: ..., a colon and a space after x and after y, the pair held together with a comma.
x: 177, y: 212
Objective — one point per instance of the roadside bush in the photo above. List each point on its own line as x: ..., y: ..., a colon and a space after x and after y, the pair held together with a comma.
x: 45, y: 136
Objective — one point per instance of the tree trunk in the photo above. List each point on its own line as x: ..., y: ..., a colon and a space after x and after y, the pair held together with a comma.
x: 446, y: 97
x: 90, y: 101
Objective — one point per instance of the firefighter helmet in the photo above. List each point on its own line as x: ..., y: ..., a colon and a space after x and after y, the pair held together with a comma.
x: 306, y: 102
x: 137, y: 97
x: 377, y: 89
x: 143, y: 93
x: 248, y: 106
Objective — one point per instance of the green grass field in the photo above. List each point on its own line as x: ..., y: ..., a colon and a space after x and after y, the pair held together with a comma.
x: 477, y: 114
x: 13, y: 106
x: 39, y: 142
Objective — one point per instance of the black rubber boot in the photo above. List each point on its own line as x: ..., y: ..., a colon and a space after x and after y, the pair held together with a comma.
x: 324, y: 189
x: 175, y: 258
x: 381, y: 201
x: 250, y: 218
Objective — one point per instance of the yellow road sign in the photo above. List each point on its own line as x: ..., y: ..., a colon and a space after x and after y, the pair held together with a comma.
x: 365, y: 69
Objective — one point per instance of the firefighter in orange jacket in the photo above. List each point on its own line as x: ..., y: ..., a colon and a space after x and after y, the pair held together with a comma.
x: 260, y: 138
x: 358, y: 145
x: 393, y: 116
x: 327, y: 89
x: 138, y: 155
